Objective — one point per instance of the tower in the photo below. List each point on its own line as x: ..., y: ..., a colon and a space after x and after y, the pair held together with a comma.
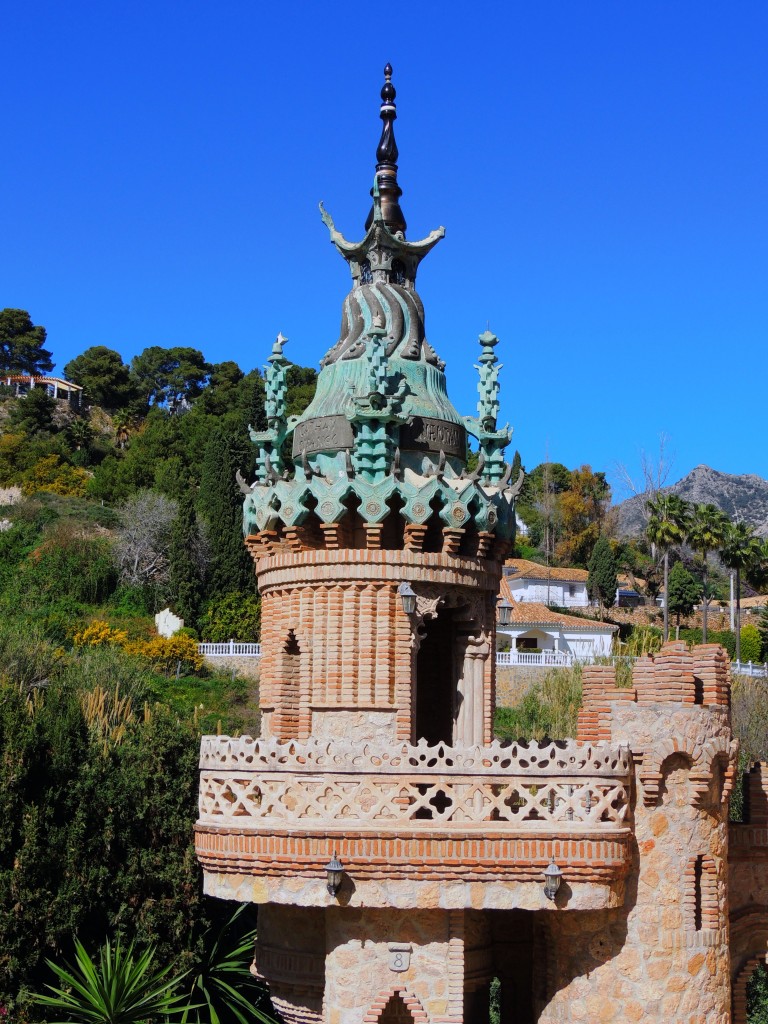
x: 402, y: 860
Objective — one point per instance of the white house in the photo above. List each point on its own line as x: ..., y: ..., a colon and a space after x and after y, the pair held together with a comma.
x: 543, y: 584
x: 533, y: 627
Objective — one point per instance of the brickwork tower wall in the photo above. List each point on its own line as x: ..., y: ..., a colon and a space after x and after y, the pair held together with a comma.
x: 664, y: 956
x: 340, y: 654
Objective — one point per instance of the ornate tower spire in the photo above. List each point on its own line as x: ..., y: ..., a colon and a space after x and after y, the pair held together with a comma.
x: 386, y: 157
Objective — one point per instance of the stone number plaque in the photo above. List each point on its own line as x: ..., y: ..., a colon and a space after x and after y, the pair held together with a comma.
x: 399, y: 957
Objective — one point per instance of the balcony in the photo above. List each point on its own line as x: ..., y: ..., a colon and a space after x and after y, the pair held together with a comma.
x: 482, y: 821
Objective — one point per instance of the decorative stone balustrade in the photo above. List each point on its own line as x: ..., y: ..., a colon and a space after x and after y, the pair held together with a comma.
x: 554, y: 786
x: 414, y: 825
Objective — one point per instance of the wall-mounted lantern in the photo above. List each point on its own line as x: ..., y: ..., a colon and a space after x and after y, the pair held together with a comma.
x: 552, y: 878
x: 504, y: 612
x: 334, y: 870
x: 408, y: 597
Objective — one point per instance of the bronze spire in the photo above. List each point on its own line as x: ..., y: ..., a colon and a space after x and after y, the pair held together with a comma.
x: 386, y: 156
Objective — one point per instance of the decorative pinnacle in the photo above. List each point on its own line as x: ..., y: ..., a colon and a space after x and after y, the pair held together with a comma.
x: 386, y: 157
x: 488, y: 385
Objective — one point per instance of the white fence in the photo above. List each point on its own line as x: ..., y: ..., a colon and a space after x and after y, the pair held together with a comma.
x: 504, y: 659
x: 747, y: 668
x: 545, y: 659
x: 231, y: 649
x: 554, y: 659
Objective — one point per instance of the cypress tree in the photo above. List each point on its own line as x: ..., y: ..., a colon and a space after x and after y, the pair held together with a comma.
x: 603, y: 575
x: 220, y: 504
x: 183, y: 564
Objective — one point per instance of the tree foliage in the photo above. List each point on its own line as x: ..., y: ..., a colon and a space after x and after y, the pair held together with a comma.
x: 603, y: 577
x: 33, y: 414
x: 583, y: 508
x: 186, y: 561
x: 707, y: 531
x: 742, y: 550
x: 170, y: 376
x: 234, y: 616
x: 21, y: 344
x: 143, y: 539
x: 749, y: 643
x: 668, y: 523
x: 683, y: 591
x: 103, y: 375
x: 93, y: 840
x: 221, y: 505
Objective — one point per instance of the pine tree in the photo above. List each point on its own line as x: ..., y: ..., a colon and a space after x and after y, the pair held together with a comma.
x: 603, y: 574
x: 220, y: 504
x: 185, y: 563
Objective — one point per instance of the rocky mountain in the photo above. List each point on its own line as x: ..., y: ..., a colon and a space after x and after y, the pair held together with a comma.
x: 740, y: 497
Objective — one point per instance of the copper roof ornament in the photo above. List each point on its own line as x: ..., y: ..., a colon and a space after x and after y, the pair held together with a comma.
x: 386, y: 157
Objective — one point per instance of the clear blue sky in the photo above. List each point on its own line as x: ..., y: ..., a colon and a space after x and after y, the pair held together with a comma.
x: 600, y: 168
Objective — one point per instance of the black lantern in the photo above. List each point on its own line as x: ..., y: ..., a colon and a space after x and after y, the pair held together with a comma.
x: 408, y: 597
x: 504, y: 609
x: 552, y: 878
x: 334, y: 870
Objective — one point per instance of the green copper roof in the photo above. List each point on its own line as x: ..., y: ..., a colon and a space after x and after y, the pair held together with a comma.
x: 381, y: 423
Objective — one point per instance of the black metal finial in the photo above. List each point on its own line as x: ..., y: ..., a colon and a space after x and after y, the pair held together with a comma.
x: 386, y: 157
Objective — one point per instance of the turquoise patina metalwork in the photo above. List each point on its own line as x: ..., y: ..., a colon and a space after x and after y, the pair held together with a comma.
x: 381, y: 432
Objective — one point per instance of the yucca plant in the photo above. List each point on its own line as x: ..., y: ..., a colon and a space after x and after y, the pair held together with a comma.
x: 222, y: 987
x: 123, y: 987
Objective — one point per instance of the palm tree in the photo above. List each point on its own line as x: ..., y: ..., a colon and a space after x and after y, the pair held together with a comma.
x: 740, y: 551
x: 667, y: 526
x: 707, y: 533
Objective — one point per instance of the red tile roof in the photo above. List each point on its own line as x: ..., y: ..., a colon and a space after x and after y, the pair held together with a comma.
x: 531, y: 613
x: 522, y: 568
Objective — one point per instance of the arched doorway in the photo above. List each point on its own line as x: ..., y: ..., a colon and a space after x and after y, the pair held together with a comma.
x: 436, y: 679
x: 396, y: 1012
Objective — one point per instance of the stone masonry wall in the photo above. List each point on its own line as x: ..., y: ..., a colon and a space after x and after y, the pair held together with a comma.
x: 748, y: 887
x: 664, y: 955
x: 362, y: 958
x: 247, y: 668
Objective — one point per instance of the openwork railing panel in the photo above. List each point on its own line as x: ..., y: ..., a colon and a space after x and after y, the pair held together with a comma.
x: 230, y: 649
x: 257, y: 783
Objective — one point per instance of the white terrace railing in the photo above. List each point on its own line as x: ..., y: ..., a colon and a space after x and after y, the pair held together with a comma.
x: 554, y: 659
x: 339, y: 786
x: 231, y: 649
x: 542, y: 659
x: 748, y: 668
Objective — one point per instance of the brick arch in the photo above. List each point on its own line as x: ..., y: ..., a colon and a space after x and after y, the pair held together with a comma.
x: 739, y: 988
x: 651, y: 772
x: 700, y: 904
x: 414, y: 1007
x: 721, y: 749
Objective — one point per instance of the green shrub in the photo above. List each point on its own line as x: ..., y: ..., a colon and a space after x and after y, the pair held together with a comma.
x: 65, y: 564
x: 751, y: 644
x: 235, y: 616
x: 548, y: 709
x: 724, y: 637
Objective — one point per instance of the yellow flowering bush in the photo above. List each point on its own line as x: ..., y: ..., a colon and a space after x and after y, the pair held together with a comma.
x: 52, y: 475
x: 164, y: 653
x: 99, y: 632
